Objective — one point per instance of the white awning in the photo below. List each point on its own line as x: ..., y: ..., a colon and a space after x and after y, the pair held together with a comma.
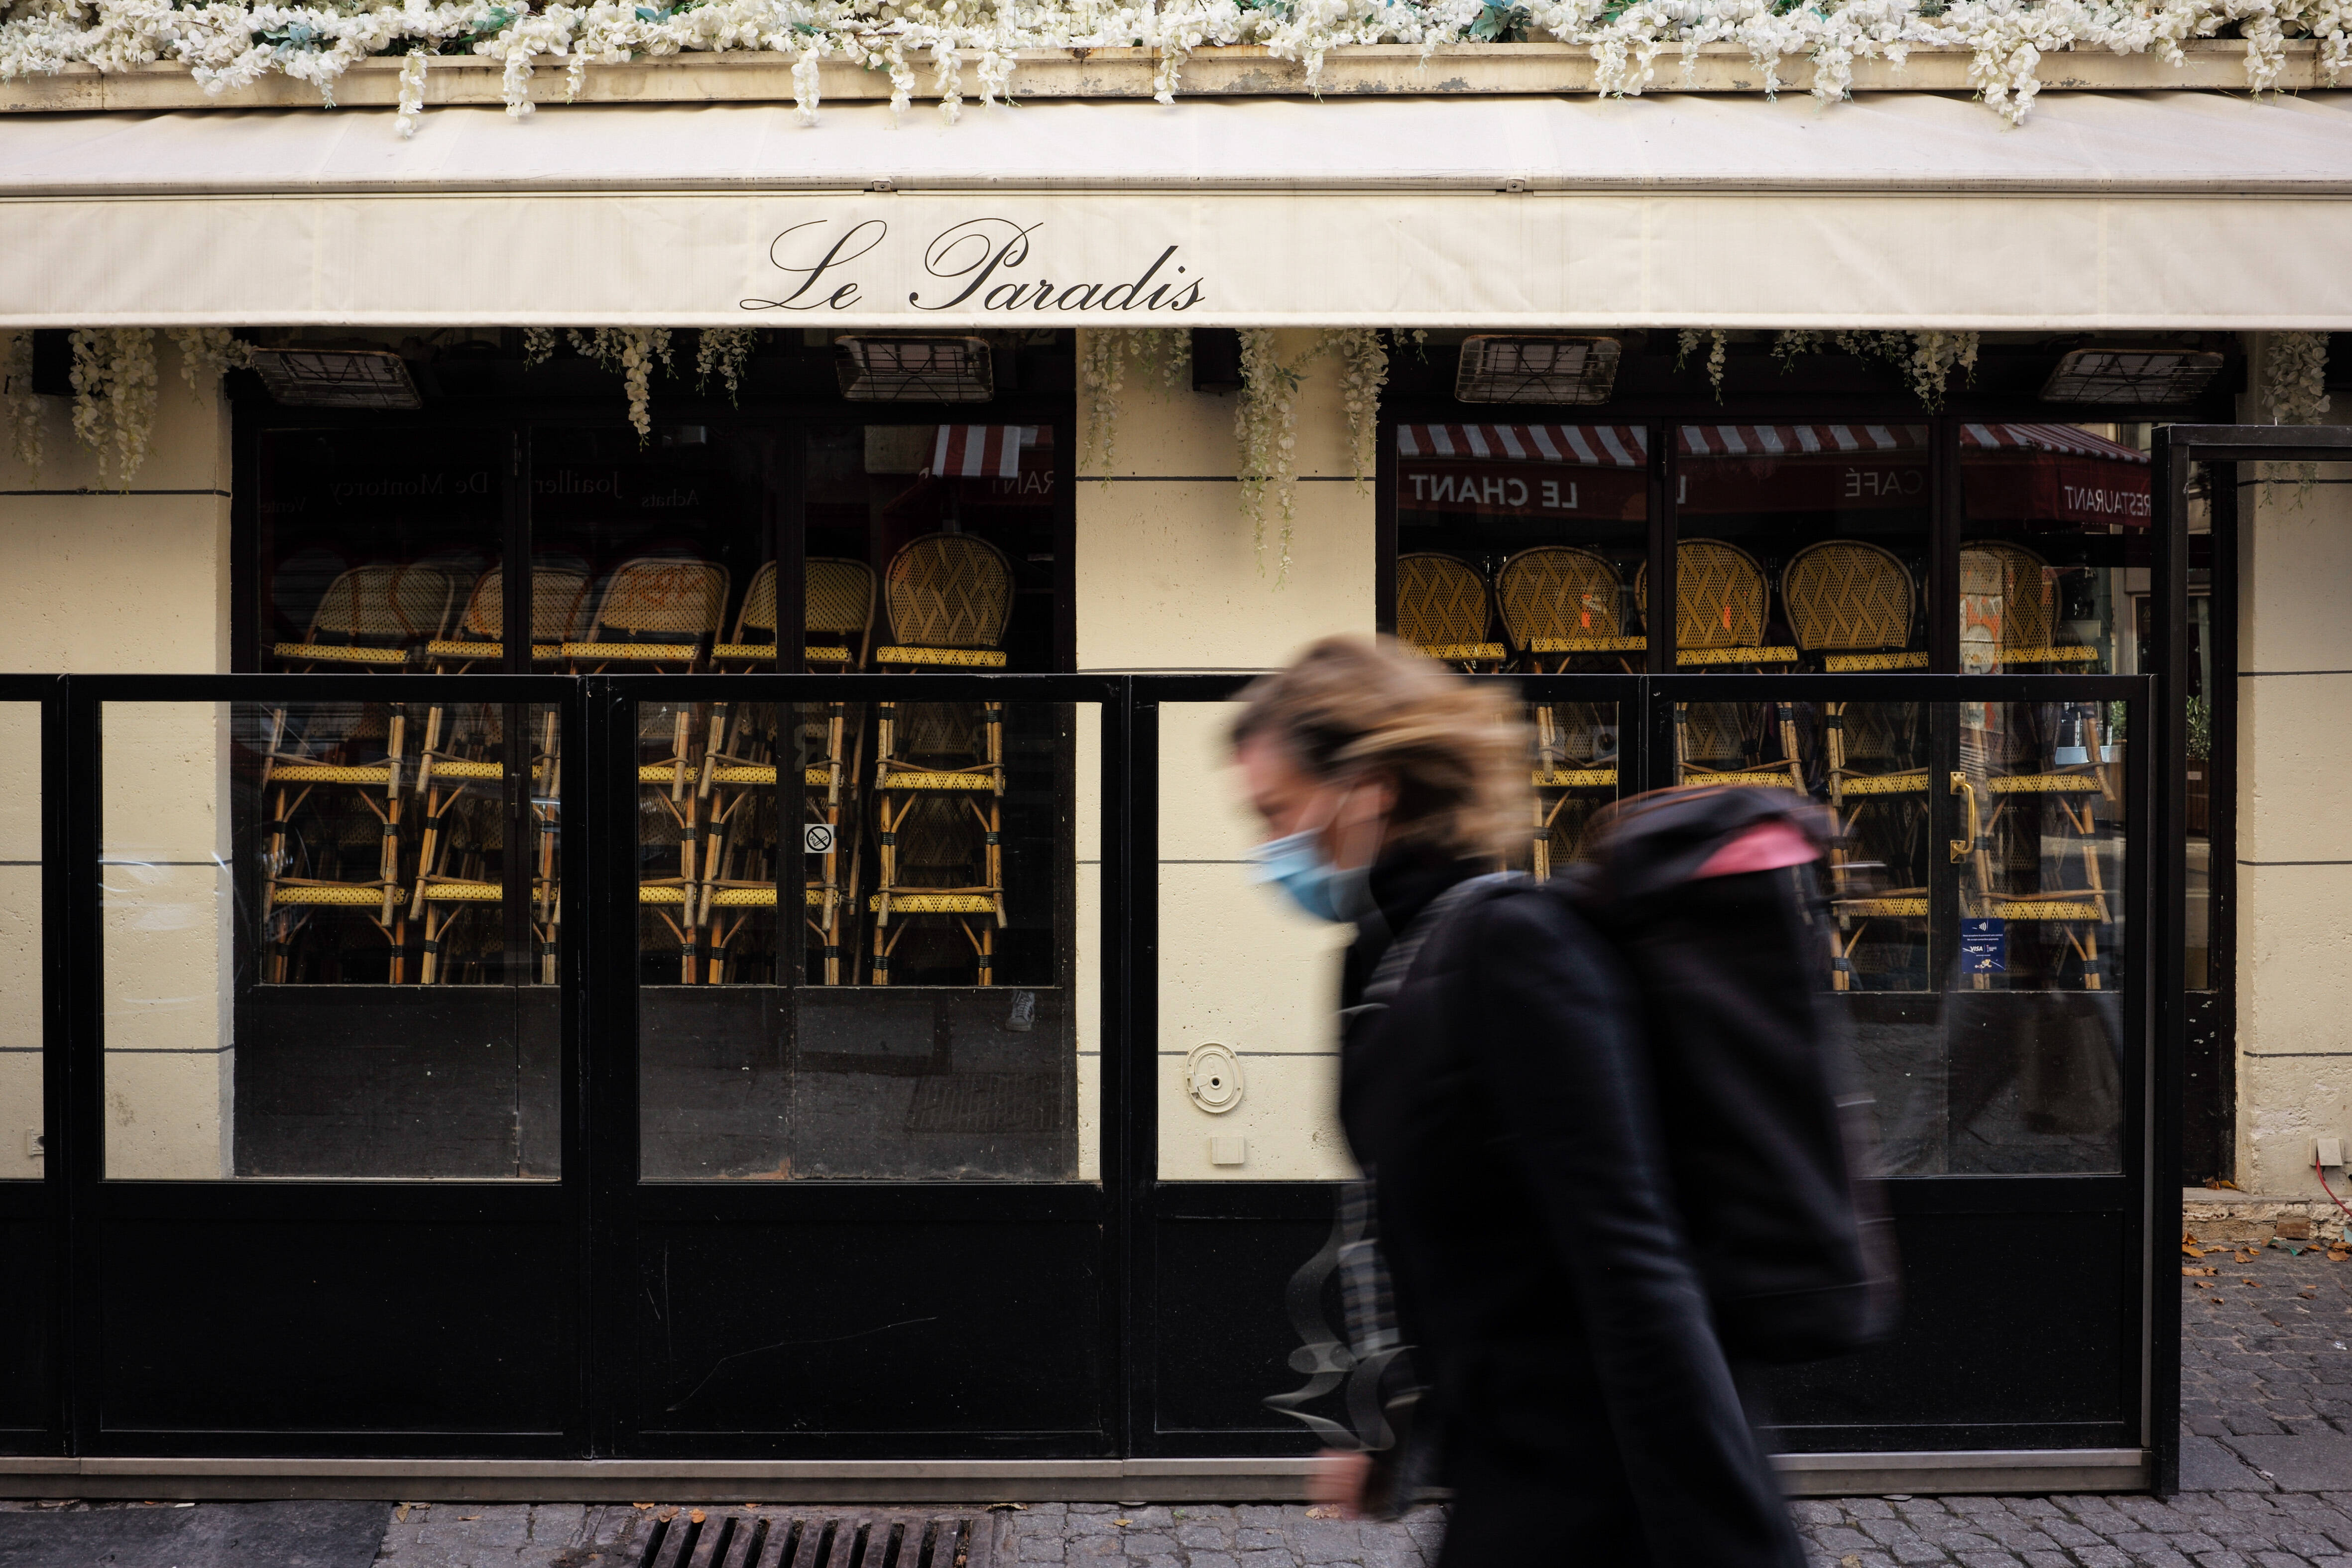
x: 2104, y: 211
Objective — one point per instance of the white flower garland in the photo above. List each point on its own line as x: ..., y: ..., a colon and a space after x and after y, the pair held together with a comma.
x: 2294, y: 377
x: 725, y: 352
x: 230, y: 44
x: 1363, y: 371
x: 1164, y: 353
x: 1686, y: 343
x: 114, y: 397
x: 630, y: 353
x: 1265, y: 427
x: 207, y: 355
x: 1925, y: 359
x: 24, y: 412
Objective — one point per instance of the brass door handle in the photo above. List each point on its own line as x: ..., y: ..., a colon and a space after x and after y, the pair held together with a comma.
x: 1962, y: 847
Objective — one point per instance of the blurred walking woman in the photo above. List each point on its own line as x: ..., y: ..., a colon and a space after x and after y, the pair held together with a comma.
x: 1574, y: 1397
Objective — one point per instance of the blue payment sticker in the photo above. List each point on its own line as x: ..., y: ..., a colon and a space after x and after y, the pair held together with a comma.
x: 1984, y: 946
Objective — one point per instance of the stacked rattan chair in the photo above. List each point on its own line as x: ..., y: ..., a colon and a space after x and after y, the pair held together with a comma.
x: 1721, y: 606
x: 939, y: 779
x: 337, y: 756
x: 739, y: 771
x: 1851, y: 606
x: 1443, y: 609
x: 2029, y: 604
x: 1561, y: 607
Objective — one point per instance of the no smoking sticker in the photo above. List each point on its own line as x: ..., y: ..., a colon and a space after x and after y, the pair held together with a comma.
x: 818, y: 838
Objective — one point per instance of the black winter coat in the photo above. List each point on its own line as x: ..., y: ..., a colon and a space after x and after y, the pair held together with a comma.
x: 1503, y: 1108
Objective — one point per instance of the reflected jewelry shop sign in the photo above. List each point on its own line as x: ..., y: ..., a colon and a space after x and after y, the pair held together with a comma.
x: 996, y: 268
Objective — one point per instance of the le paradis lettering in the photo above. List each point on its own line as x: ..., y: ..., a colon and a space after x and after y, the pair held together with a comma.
x: 978, y: 264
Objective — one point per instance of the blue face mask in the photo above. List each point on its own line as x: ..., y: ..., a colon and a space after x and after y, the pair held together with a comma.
x: 1296, y: 864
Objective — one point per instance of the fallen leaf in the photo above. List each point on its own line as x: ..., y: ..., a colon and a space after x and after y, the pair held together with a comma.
x: 2191, y: 1249
x: 641, y: 1506
x: 2255, y: 1283
x: 1848, y: 1561
x: 2192, y: 1273
x: 1122, y: 1523
x: 751, y: 1507
x: 399, y: 1514
x: 696, y: 1517
x: 467, y: 1517
x: 1323, y: 1510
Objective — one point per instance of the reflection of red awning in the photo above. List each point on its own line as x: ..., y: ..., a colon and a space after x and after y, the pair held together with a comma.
x: 2053, y: 473
x: 981, y: 451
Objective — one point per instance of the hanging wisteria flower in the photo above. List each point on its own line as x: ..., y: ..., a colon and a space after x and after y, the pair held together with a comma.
x: 1363, y: 371
x: 114, y: 397
x: 1163, y: 353
x: 24, y: 412
x: 538, y: 346
x: 207, y: 353
x: 1265, y: 424
x: 2294, y: 377
x: 725, y: 352
x: 630, y: 353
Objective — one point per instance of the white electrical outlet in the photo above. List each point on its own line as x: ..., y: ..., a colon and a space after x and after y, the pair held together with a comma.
x: 2327, y: 1152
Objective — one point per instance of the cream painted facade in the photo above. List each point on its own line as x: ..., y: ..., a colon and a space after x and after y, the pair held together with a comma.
x: 91, y: 580
x: 2295, y: 837
x: 1168, y: 580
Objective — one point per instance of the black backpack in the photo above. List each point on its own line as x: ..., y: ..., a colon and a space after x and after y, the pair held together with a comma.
x: 1767, y: 1128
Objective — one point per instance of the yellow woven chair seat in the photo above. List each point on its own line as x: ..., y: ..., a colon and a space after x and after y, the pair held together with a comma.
x: 744, y: 774
x: 919, y: 904
x: 2044, y: 783
x: 668, y: 893
x: 760, y: 650
x: 648, y: 652
x: 1911, y: 660
x: 1612, y: 643
x: 957, y: 658
x: 332, y: 653
x: 323, y: 773
x: 665, y: 772
x: 743, y: 899
x: 1771, y: 775
x: 1576, y: 778
x: 1885, y: 784
x: 2048, y: 909
x: 456, y: 768
x: 1464, y: 652
x: 818, y: 655
x: 441, y: 648
x: 346, y: 895
x: 978, y: 783
x: 464, y: 893
x: 1735, y: 655
x: 1896, y: 909
x: 2061, y: 653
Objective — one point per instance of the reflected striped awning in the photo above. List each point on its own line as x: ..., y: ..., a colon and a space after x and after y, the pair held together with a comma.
x: 1593, y: 445
x: 1627, y: 446
x: 981, y: 451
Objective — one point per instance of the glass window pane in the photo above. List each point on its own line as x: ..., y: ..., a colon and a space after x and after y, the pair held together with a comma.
x: 649, y: 556
x: 329, y: 930
x: 374, y: 546
x: 1522, y: 542
x: 2054, y: 538
x: 959, y: 526
x: 914, y: 1016
x: 1801, y: 546
x: 22, y: 1114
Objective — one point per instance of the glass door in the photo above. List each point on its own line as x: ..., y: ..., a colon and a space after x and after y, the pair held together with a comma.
x: 860, y: 928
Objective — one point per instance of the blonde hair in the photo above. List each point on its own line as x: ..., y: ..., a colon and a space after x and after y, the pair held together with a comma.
x: 1458, y: 754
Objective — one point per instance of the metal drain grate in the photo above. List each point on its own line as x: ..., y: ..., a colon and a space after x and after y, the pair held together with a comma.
x: 697, y: 1539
